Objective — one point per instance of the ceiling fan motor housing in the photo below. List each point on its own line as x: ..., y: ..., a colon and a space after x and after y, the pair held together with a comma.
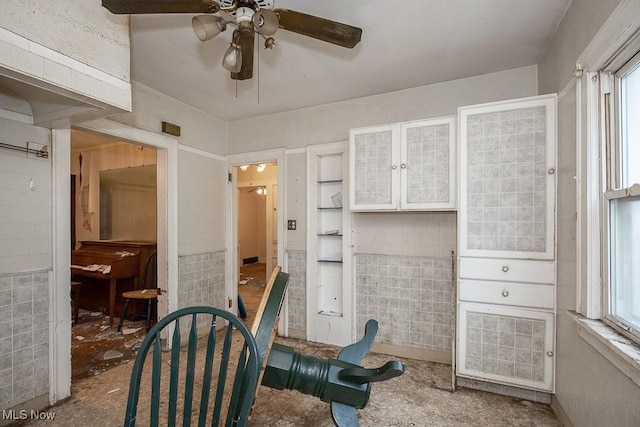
x: 251, y: 4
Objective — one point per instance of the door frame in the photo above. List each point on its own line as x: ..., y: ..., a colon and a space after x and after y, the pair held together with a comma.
x: 232, y: 266
x: 167, y: 240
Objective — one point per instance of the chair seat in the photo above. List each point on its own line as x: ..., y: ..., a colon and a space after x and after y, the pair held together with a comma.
x: 141, y: 294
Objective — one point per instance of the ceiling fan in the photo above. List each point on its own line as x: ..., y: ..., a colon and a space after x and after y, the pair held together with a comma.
x: 250, y: 17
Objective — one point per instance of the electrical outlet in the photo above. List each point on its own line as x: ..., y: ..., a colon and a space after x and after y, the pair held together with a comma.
x: 291, y: 224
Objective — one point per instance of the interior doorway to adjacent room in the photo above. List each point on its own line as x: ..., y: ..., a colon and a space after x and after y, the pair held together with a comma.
x: 114, y: 200
x: 257, y: 224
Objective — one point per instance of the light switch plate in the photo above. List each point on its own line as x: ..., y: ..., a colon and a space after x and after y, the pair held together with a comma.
x: 291, y: 224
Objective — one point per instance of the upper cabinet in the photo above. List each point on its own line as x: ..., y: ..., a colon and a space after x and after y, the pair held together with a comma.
x: 507, y: 179
x: 404, y: 166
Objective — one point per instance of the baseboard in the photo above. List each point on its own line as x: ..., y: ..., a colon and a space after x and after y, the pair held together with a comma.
x: 250, y: 260
x: 297, y: 334
x: 412, y: 353
x: 520, y: 393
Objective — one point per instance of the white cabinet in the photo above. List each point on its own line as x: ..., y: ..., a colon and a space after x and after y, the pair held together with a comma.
x: 506, y: 345
x: 329, y: 287
x: 506, y: 243
x: 404, y: 166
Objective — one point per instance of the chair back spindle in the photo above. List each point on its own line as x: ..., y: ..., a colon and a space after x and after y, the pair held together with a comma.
x: 209, y: 380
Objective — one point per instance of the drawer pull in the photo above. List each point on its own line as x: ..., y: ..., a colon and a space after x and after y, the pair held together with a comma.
x: 550, y: 353
x: 505, y: 293
x: 505, y: 268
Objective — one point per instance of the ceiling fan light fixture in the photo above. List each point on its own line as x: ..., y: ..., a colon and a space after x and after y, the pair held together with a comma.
x: 261, y: 167
x: 266, y: 22
x: 232, y: 59
x: 207, y: 27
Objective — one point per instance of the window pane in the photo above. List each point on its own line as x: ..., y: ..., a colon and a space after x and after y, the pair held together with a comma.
x: 625, y: 260
x: 630, y: 112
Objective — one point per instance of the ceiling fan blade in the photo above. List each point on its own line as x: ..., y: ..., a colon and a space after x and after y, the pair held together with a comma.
x: 246, y: 43
x: 319, y: 28
x: 160, y: 6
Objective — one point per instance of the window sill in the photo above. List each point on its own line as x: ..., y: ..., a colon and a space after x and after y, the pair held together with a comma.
x: 623, y: 353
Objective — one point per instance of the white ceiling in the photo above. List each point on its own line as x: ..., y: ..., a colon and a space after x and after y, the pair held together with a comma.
x: 404, y: 44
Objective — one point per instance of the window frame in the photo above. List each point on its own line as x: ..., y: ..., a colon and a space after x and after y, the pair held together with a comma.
x: 611, y: 176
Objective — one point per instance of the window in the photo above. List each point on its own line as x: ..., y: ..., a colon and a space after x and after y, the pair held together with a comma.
x: 622, y: 197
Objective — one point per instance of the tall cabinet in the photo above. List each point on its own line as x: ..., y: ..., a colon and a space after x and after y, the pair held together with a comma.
x: 329, y: 286
x: 506, y: 243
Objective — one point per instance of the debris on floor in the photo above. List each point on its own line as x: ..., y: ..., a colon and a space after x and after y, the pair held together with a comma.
x: 129, y: 331
x: 112, y: 354
x: 93, y: 338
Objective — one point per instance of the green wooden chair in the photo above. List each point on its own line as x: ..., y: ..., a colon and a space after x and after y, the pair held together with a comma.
x: 211, y: 380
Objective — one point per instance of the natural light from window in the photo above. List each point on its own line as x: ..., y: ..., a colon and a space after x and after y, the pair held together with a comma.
x: 624, y: 244
x: 630, y: 123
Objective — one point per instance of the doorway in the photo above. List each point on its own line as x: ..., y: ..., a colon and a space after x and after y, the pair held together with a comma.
x: 114, y: 204
x: 257, y: 224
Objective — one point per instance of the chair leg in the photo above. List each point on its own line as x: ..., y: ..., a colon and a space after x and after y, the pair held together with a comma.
x: 124, y: 313
x: 148, y: 315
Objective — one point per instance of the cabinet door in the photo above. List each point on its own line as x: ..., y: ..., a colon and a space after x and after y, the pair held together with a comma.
x: 373, y: 156
x: 427, y: 165
x: 506, y: 345
x: 507, y: 179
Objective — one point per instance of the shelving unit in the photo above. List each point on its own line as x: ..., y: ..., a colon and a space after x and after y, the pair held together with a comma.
x: 329, y: 302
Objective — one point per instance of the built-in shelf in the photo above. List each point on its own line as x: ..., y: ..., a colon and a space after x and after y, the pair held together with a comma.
x: 329, y: 289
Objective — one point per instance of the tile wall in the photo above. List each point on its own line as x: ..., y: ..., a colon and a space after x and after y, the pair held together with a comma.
x: 24, y: 337
x: 201, y: 280
x: 297, y: 290
x: 506, y: 167
x: 412, y: 298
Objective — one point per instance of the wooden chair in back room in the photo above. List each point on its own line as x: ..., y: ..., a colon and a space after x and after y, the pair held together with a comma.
x: 148, y: 291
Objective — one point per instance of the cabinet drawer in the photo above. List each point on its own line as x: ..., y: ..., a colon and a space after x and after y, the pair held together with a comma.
x: 507, y: 293
x: 507, y: 270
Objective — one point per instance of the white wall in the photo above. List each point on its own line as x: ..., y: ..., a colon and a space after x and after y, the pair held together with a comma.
x: 25, y: 215
x: 590, y: 391
x: 581, y: 22
x: 331, y: 122
x: 201, y: 170
x: 114, y: 156
x: 198, y: 129
x: 385, y: 233
x: 252, y: 224
x: 81, y: 29
x: 202, y: 185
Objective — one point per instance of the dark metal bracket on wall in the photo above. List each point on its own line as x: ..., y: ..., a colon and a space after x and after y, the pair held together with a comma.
x: 40, y: 150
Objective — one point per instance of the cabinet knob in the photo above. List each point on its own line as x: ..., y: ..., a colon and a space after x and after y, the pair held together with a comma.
x: 403, y: 166
x: 394, y: 167
x: 505, y: 293
x: 550, y: 353
x: 505, y: 268
x: 552, y: 171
